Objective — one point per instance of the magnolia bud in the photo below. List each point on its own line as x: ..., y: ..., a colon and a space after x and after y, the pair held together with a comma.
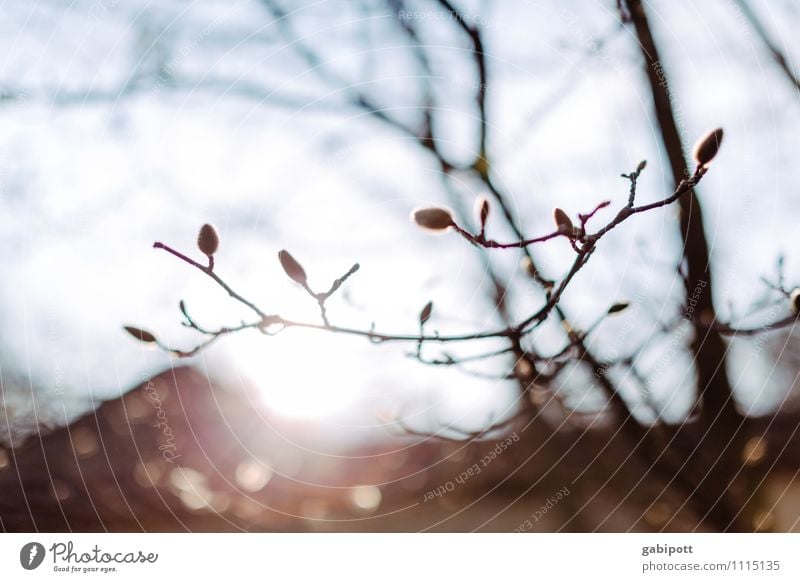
x: 433, y: 219
x: 618, y: 307
x: 292, y: 268
x: 208, y: 240
x: 707, y: 147
x: 642, y: 165
x: 481, y: 211
x: 141, y: 335
x: 426, y: 312
x: 794, y: 301
x: 563, y: 221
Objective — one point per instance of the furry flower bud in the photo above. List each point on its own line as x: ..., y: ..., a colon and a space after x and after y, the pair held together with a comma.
x: 141, y: 334
x: 794, y: 301
x: 433, y: 219
x: 293, y: 269
x: 707, y: 147
x: 482, y: 211
x: 563, y: 222
x: 208, y: 240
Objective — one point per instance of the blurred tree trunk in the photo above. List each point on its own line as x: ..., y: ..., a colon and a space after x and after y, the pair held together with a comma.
x: 715, y: 460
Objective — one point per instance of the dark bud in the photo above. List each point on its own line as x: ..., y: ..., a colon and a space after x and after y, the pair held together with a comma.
x: 563, y: 222
x: 482, y: 211
x: 141, y: 335
x: 433, y: 219
x: 292, y: 268
x: 794, y: 301
x: 426, y: 312
x: 618, y: 307
x: 707, y: 147
x: 208, y: 240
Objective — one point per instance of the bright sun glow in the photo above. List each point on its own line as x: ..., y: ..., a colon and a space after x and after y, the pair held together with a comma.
x: 301, y: 373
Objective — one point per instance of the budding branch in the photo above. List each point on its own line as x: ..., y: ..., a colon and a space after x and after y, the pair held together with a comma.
x: 583, y: 242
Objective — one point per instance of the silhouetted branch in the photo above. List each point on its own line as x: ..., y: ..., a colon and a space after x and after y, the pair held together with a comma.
x: 465, y: 435
x: 268, y: 323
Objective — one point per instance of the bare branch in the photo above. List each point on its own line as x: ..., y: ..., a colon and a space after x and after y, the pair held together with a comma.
x: 267, y: 322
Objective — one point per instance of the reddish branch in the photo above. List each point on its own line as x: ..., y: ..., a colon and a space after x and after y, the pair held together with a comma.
x: 271, y: 323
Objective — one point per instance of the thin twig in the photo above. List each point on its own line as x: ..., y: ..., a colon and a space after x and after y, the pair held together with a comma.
x: 514, y: 332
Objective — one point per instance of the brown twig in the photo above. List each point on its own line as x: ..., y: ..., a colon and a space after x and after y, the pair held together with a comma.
x: 514, y: 332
